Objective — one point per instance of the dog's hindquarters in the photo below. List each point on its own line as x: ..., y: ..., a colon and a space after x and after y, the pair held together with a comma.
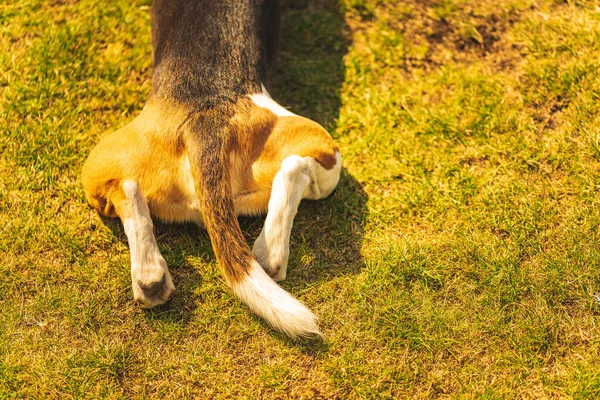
x: 218, y: 53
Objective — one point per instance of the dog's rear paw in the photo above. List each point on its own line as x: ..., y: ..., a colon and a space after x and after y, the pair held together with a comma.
x: 152, y: 284
x: 273, y: 258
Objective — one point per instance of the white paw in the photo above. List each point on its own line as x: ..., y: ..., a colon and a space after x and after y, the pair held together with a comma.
x: 152, y: 282
x: 273, y: 257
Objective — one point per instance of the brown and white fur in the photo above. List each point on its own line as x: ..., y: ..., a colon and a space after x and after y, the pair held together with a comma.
x: 206, y: 152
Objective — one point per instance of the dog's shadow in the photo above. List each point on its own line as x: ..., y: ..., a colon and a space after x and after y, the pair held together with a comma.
x: 327, y: 234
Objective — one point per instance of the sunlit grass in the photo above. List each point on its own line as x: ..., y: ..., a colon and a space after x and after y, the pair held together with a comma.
x: 458, y: 257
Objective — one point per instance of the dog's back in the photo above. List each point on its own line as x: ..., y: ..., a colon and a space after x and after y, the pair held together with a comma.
x: 220, y: 50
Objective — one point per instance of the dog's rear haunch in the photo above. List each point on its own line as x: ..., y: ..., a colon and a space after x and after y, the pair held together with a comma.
x: 209, y: 145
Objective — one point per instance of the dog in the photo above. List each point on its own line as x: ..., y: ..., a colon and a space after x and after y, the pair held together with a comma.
x: 211, y: 144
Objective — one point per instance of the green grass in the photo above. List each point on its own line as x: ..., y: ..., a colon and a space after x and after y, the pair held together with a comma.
x: 458, y: 258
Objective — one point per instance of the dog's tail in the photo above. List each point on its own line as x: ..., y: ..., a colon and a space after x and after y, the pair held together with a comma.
x: 207, y: 143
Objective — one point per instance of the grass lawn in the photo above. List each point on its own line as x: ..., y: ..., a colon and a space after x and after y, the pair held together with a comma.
x: 458, y: 258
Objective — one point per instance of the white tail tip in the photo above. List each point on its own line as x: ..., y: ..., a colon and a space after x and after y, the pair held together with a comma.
x: 268, y: 300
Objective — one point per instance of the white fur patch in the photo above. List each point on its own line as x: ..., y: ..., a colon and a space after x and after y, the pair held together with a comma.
x: 326, y: 179
x: 289, y: 185
x: 147, y: 264
x: 264, y: 100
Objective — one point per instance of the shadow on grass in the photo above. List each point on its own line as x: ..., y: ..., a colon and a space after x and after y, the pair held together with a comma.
x: 327, y: 234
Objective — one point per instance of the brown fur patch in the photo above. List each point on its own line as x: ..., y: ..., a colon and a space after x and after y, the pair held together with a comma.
x: 292, y: 135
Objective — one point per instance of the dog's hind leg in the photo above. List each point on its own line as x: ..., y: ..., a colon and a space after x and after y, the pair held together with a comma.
x: 298, y: 178
x: 152, y: 282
